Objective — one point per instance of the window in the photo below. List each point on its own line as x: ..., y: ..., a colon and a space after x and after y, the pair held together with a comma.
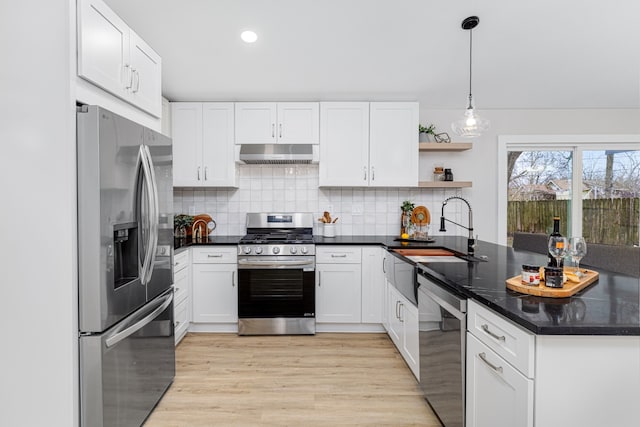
x: 592, y: 182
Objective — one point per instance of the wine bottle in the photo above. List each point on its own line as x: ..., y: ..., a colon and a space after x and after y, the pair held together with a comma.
x: 556, y: 232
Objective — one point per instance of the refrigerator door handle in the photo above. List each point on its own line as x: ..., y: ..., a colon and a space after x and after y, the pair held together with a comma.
x: 148, y: 246
x: 127, y: 329
x: 154, y: 220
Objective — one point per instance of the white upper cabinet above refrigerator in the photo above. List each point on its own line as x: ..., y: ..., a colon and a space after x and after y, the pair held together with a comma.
x: 112, y: 56
x: 277, y: 123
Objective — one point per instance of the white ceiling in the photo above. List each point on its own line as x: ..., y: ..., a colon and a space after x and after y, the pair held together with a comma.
x: 526, y: 54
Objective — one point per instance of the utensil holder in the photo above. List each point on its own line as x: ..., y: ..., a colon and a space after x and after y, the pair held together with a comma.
x: 329, y: 230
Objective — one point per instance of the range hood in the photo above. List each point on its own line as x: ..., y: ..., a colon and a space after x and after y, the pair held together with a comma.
x: 278, y: 154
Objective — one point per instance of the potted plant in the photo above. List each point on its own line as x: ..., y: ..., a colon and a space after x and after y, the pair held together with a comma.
x: 181, y: 223
x: 406, y: 207
x: 424, y: 132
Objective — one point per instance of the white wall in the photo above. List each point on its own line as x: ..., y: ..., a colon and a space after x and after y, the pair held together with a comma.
x: 38, y: 374
x: 480, y: 163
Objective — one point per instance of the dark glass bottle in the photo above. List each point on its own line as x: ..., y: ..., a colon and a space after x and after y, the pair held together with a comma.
x: 556, y: 232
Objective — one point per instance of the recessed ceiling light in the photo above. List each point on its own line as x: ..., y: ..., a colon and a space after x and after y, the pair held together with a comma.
x: 248, y: 36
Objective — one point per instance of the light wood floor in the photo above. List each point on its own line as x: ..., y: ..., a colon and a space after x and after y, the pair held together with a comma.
x: 321, y: 380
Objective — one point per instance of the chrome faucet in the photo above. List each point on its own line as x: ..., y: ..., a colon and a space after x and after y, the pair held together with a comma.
x: 471, y: 242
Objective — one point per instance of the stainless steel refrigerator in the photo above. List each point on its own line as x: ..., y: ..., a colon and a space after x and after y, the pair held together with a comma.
x: 125, y: 268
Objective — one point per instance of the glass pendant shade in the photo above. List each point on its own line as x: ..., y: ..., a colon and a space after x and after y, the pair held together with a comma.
x: 471, y: 124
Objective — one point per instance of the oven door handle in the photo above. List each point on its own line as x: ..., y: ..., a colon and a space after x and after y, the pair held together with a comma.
x: 274, y: 263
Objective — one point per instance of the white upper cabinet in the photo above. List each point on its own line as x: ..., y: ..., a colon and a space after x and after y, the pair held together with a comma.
x: 273, y: 123
x: 203, y: 149
x: 369, y: 144
x: 113, y: 57
x: 146, y: 75
x: 344, y: 144
x: 393, y: 144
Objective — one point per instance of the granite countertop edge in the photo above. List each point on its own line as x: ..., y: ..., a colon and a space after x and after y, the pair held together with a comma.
x: 508, y: 304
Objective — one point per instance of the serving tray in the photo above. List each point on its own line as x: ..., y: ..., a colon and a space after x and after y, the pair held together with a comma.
x: 570, y: 288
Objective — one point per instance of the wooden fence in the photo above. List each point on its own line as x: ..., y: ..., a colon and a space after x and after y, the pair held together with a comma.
x: 607, y: 221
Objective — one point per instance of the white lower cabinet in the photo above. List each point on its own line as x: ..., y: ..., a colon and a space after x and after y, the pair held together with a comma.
x: 498, y: 395
x: 403, y: 327
x: 182, y: 294
x: 500, y: 371
x: 372, y: 284
x: 338, y: 284
x: 215, y: 291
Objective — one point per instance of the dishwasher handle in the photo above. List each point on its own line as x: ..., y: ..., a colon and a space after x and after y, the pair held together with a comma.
x: 455, y: 304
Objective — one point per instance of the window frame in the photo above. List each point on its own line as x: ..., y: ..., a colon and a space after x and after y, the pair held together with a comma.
x: 577, y: 144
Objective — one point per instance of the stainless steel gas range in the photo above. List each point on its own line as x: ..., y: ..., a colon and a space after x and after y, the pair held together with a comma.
x: 276, y: 275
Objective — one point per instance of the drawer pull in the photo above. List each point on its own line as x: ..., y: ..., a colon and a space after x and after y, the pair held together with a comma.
x: 498, y: 337
x: 338, y: 256
x: 177, y: 290
x: 483, y: 357
x: 214, y: 256
x: 176, y: 263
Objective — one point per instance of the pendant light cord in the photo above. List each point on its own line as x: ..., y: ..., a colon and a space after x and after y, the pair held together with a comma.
x: 470, y: 58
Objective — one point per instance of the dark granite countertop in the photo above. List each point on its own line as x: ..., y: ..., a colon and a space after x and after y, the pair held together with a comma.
x: 610, y: 306
x: 185, y: 242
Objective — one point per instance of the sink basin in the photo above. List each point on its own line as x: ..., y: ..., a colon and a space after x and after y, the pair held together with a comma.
x: 436, y: 255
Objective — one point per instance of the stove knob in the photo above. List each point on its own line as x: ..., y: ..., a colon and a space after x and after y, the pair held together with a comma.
x: 276, y: 250
x: 259, y: 250
x: 293, y: 250
x: 304, y: 250
x: 246, y: 250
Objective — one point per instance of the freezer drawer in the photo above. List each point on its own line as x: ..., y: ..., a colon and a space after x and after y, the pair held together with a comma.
x: 125, y: 371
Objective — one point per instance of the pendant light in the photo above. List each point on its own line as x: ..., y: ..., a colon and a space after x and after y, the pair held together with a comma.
x: 471, y: 125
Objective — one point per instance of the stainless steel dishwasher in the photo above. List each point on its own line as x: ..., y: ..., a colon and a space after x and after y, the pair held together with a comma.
x: 442, y: 316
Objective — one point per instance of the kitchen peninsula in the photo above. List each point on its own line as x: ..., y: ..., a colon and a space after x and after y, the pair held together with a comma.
x: 578, y: 357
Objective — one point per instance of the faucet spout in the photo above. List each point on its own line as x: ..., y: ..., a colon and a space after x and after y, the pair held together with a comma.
x: 471, y: 242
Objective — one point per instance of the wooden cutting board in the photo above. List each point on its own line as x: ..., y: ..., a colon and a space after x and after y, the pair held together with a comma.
x: 569, y: 288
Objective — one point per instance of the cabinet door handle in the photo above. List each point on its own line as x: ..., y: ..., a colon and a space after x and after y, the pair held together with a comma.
x: 137, y: 76
x: 176, y: 291
x: 373, y: 173
x: 205, y: 172
x: 280, y: 136
x: 177, y: 325
x: 319, y: 276
x: 483, y: 357
x: 233, y: 278
x: 397, y: 315
x: 273, y: 130
x: 198, y: 173
x: 338, y: 256
x: 485, y: 328
x: 400, y: 311
x: 384, y: 261
x: 365, y: 173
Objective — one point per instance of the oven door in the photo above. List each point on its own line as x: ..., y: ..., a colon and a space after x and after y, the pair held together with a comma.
x: 270, y: 287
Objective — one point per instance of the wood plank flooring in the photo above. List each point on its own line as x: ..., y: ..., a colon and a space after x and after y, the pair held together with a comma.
x: 321, y: 380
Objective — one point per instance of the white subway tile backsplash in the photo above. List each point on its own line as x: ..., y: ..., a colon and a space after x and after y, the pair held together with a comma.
x: 361, y: 211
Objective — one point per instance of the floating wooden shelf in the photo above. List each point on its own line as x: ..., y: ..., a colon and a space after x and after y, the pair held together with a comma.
x: 444, y: 184
x: 445, y: 146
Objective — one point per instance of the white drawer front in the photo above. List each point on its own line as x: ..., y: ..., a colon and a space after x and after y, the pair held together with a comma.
x: 215, y: 255
x: 181, y: 261
x: 338, y: 254
x: 509, y: 341
x: 180, y: 320
x: 180, y: 315
x: 181, y: 283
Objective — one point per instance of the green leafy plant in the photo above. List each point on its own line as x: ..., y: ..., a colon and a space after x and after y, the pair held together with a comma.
x: 431, y: 129
x: 182, y: 221
x: 407, y: 206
